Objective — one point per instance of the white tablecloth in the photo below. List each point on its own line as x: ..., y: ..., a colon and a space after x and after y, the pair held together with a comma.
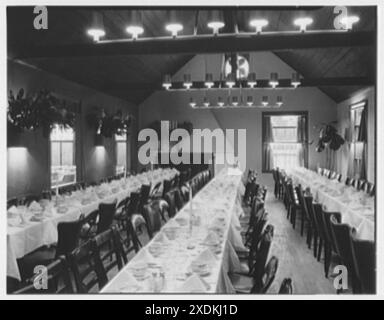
x: 218, y: 204
x: 22, y: 240
x: 356, y: 207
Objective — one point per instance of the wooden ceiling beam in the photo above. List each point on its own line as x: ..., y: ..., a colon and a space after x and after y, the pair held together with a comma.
x: 223, y: 43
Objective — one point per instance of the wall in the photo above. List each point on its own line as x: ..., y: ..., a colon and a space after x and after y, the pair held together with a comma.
x: 28, y: 169
x: 163, y: 105
x: 343, y: 117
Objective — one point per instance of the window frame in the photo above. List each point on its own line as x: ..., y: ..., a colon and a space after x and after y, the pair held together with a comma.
x: 354, y: 141
x: 73, y: 155
x: 264, y: 116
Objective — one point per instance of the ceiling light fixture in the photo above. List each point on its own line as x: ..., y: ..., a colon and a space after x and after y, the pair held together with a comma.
x: 279, y: 101
x: 349, y: 21
x: 303, y: 23
x: 252, y: 80
x: 230, y: 82
x: 96, y: 34
x: 174, y: 28
x: 216, y: 26
x: 209, y: 80
x: 135, y: 31
x: 264, y: 101
x: 192, y: 102
x: 258, y: 24
x: 220, y: 102
x: 187, y: 81
x: 250, y: 101
x: 235, y: 101
x: 206, y: 102
x: 274, y: 82
x: 295, y: 81
x: 167, y: 83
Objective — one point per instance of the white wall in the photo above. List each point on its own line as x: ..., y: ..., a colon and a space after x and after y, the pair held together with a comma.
x: 343, y: 117
x: 163, y: 105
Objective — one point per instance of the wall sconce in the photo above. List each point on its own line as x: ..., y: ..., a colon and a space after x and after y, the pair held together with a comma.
x: 99, y: 140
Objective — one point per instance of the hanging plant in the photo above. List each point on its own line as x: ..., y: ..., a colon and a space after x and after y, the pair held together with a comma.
x: 43, y: 110
x: 328, y: 137
x: 109, y: 125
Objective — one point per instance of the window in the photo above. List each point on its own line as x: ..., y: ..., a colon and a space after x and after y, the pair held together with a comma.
x: 63, y: 168
x: 284, y: 141
x: 121, y: 153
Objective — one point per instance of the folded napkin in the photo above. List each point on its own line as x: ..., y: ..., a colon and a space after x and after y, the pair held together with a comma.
x: 126, y: 283
x: 34, y: 206
x: 161, y: 238
x: 13, y: 211
x: 206, y: 256
x: 144, y: 256
x: 194, y: 284
x: 212, y: 238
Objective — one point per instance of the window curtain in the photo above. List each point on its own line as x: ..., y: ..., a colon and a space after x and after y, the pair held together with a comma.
x: 362, y: 138
x: 302, y: 138
x: 268, y: 139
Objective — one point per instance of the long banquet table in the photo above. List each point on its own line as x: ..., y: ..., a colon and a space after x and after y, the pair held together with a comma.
x: 356, y: 207
x: 23, y: 238
x: 207, y: 238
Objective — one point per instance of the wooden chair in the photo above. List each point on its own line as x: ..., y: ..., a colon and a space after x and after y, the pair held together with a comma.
x: 364, y: 261
x: 313, y: 231
x: 89, y: 225
x: 87, y: 268
x: 58, y: 280
x: 152, y: 216
x: 286, y: 286
x: 107, y: 212
x: 293, y: 204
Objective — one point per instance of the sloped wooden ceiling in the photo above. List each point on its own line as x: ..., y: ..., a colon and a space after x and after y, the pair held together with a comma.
x: 134, y: 77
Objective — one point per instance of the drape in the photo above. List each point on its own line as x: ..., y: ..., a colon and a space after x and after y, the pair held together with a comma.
x: 362, y: 137
x: 302, y: 138
x: 268, y: 139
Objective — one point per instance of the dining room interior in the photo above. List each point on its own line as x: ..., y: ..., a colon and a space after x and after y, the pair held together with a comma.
x: 191, y: 150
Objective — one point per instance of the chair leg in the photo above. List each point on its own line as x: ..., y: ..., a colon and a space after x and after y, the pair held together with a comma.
x: 327, y: 258
x: 320, y: 249
x: 309, y: 236
x: 315, y: 239
x: 293, y: 217
x: 302, y: 222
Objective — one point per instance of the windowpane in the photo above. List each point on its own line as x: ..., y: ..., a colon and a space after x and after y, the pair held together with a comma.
x: 121, y: 156
x: 55, y: 153
x: 67, y: 153
x: 63, y: 168
x: 284, y: 134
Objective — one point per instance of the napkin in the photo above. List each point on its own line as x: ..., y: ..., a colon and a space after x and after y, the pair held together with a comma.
x: 194, y: 284
x: 161, y: 238
x: 13, y: 211
x: 212, y: 238
x: 146, y: 257
x: 34, y: 206
x: 206, y: 256
x: 126, y: 283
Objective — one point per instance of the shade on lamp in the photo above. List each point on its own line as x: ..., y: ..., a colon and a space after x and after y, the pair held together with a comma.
x: 99, y: 140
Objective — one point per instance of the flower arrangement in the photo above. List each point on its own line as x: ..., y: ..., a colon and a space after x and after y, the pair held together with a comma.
x: 329, y: 137
x: 109, y: 125
x: 42, y: 110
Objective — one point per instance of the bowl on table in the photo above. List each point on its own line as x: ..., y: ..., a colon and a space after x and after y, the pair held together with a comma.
x: 139, y: 270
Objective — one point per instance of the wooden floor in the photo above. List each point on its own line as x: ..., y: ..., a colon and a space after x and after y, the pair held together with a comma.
x: 296, y: 261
